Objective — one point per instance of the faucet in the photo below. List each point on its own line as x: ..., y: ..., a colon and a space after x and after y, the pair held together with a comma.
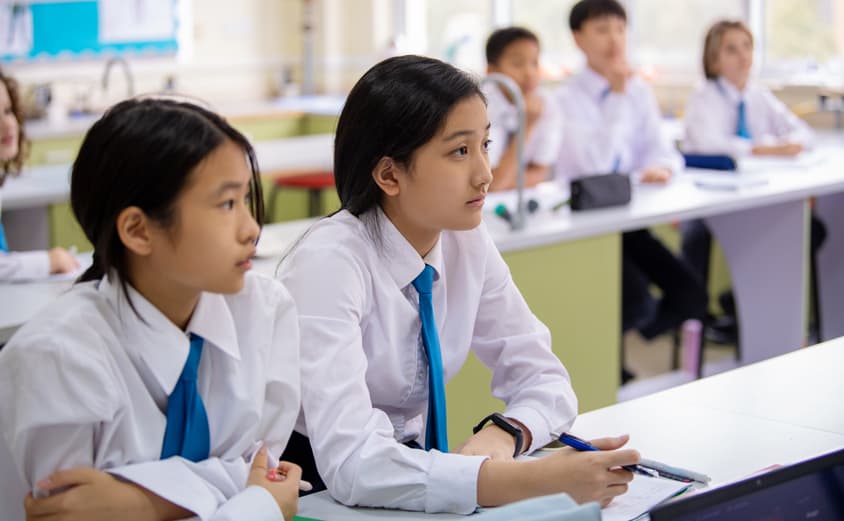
x: 517, y: 221
x: 130, y: 82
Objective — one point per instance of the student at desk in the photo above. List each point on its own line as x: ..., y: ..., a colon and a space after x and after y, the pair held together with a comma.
x: 514, y: 51
x: 613, y: 125
x: 393, y: 292
x: 146, y: 389
x: 732, y: 115
x: 13, y: 146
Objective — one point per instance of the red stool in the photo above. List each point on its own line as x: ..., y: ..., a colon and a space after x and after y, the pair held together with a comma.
x: 314, y: 182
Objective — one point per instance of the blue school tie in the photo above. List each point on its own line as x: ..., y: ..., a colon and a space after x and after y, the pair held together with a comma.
x: 436, y: 435
x: 742, y: 129
x: 187, y: 432
x: 3, y: 246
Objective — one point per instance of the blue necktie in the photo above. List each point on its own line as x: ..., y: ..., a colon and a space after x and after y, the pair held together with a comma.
x: 436, y: 434
x: 3, y: 246
x: 187, y: 433
x: 742, y: 130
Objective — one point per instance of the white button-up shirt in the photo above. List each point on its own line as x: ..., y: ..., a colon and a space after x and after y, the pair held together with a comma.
x: 712, y: 117
x: 364, y: 373
x: 86, y: 383
x: 609, y: 131
x: 542, y: 146
x: 23, y: 265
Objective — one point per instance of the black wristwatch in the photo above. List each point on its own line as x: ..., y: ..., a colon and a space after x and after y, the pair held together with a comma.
x: 508, y: 427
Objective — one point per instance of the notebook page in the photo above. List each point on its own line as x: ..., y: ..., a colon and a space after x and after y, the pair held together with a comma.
x: 643, y: 494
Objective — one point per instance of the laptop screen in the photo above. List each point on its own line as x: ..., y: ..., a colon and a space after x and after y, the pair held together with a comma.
x: 812, y: 489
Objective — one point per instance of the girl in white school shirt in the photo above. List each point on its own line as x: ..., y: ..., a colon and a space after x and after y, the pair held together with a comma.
x: 412, y: 171
x: 730, y: 114
x: 13, y: 146
x: 96, y: 392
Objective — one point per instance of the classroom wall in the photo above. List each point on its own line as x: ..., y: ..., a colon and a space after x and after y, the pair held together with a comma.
x: 229, y: 57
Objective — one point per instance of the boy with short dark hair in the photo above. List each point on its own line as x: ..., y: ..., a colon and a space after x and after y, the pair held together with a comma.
x: 514, y: 52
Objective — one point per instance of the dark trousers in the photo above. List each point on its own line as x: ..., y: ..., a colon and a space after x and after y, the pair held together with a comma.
x: 299, y: 451
x: 646, y: 261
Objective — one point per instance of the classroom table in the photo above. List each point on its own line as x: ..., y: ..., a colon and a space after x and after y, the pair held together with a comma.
x: 783, y: 410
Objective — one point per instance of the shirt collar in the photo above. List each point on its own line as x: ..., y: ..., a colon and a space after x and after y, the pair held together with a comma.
x: 151, y: 338
x: 595, y: 85
x: 404, y: 262
x: 728, y: 90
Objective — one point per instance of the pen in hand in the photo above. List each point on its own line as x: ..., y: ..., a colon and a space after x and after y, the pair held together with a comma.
x: 583, y: 445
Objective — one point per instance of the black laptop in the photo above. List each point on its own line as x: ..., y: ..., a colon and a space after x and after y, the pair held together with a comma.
x: 809, y: 490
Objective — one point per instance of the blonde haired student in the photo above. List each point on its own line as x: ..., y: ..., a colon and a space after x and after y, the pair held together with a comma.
x: 13, y: 149
x: 148, y: 388
x: 731, y: 114
x: 396, y: 289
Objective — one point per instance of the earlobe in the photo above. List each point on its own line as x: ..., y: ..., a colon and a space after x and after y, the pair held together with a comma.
x: 385, y: 174
x: 133, y: 228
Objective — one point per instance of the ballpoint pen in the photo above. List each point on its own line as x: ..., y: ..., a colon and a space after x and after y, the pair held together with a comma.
x: 582, y: 445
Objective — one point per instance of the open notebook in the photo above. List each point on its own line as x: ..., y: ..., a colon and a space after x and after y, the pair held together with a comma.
x: 643, y: 494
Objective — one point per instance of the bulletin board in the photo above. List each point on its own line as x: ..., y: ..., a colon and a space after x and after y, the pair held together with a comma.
x: 47, y: 30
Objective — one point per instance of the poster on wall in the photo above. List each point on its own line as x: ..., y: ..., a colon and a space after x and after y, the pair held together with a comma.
x: 15, y: 29
x: 37, y: 30
x: 134, y: 20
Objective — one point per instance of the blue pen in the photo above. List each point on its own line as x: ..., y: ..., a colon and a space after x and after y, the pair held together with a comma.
x: 582, y: 445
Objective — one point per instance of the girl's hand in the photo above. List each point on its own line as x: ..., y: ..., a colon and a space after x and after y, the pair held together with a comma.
x: 591, y: 476
x: 88, y: 494
x: 660, y: 175
x: 282, y: 482
x: 62, y: 261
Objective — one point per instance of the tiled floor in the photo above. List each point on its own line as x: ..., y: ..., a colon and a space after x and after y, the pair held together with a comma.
x: 651, y: 363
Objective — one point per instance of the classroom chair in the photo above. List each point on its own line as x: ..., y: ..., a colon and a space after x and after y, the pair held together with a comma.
x: 314, y: 182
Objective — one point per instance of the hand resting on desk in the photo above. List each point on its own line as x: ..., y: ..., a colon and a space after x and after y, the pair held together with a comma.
x: 585, y: 476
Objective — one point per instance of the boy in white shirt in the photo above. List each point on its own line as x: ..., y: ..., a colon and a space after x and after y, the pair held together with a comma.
x: 514, y: 52
x: 613, y: 125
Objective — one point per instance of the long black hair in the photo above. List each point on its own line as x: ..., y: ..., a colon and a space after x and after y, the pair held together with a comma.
x: 395, y: 108
x: 141, y: 153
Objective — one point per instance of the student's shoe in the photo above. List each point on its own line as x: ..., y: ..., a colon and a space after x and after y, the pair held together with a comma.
x: 723, y: 330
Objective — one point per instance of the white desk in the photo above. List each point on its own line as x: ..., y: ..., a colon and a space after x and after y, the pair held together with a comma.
x: 728, y: 426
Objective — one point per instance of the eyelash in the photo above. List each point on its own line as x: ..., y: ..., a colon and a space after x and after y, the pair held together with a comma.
x: 228, y: 204
x: 464, y: 150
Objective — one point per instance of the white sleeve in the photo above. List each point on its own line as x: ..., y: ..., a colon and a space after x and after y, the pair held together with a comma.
x: 785, y: 125
x: 353, y: 442
x: 213, y: 489
x: 657, y: 149
x: 702, y: 132
x: 24, y: 265
x: 516, y: 346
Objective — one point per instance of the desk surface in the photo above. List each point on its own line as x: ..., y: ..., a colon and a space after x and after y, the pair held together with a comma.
x: 728, y: 426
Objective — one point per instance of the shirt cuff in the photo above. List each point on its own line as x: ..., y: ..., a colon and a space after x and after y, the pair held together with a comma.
x: 453, y: 483
x: 254, y: 503
x: 540, y: 432
x: 173, y: 482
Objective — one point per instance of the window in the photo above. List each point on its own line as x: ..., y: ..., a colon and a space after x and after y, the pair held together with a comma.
x: 549, y: 19
x: 667, y: 37
x: 457, y: 31
x: 803, y: 36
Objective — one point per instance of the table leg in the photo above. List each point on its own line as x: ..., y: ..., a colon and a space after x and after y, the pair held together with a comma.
x: 766, y: 250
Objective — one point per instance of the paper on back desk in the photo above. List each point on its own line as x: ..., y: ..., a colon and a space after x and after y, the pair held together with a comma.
x: 643, y: 494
